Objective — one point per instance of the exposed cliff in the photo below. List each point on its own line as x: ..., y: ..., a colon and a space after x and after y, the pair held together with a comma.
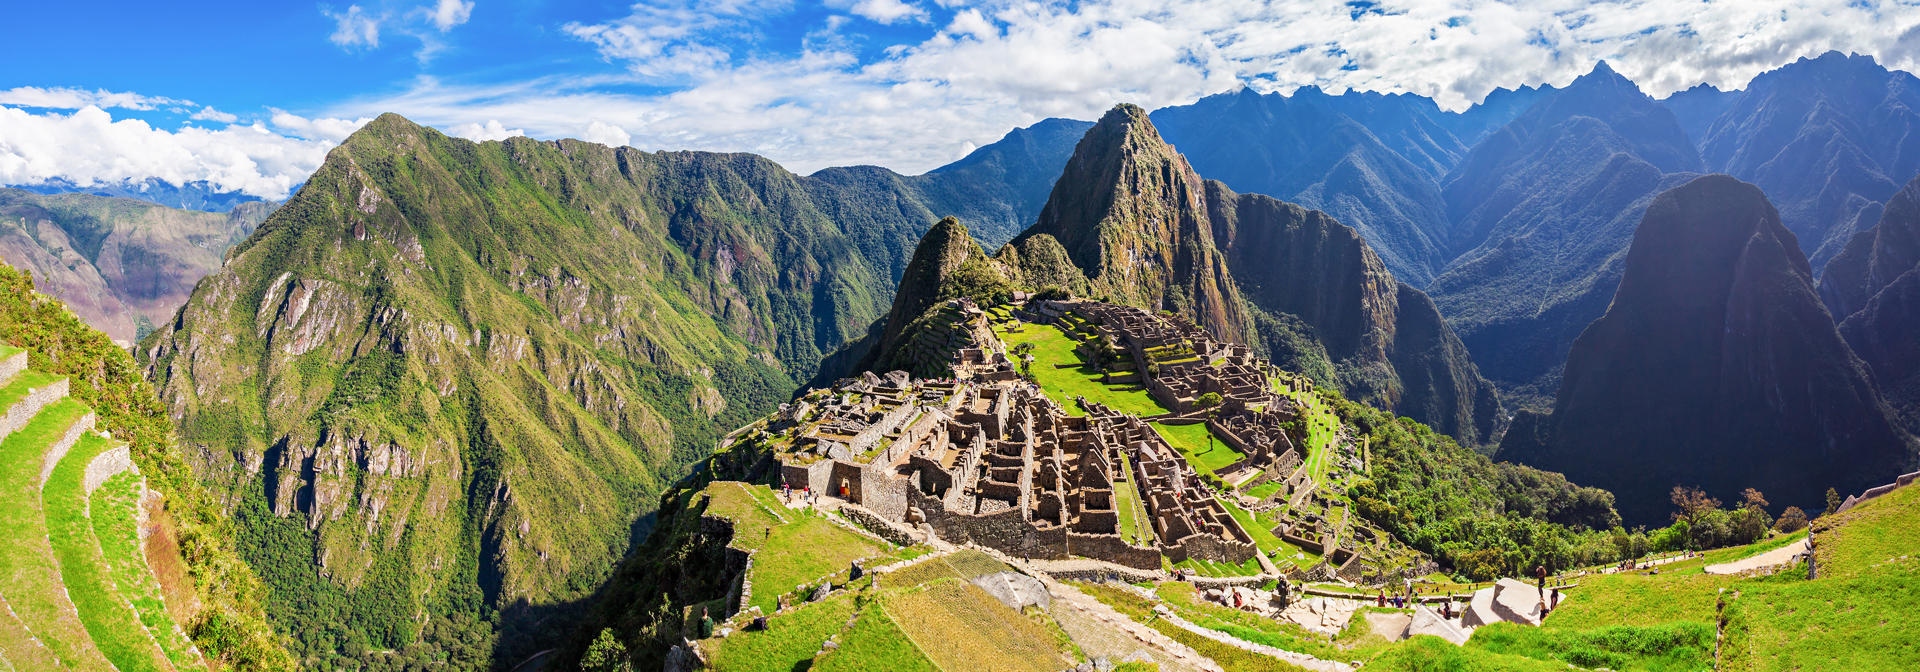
x: 1386, y: 342
x: 1716, y: 366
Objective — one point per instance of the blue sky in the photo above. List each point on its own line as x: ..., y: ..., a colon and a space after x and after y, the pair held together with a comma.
x: 249, y: 96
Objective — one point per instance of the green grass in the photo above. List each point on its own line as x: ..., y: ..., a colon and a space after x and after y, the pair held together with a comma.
x: 1613, y: 599
x: 16, y: 389
x: 875, y: 644
x: 803, y: 552
x: 1139, y: 609
x: 111, y: 622
x: 1278, y: 634
x: 1193, y: 443
x: 114, y: 524
x: 788, y: 642
x: 1673, y: 647
x: 1132, y: 513
x: 1220, y: 569
x: 29, y: 572
x: 1052, y: 346
x: 1264, y: 490
x: 1871, y: 533
x: 961, y: 627
x: 1262, y: 537
x: 1426, y: 653
x: 1321, y: 422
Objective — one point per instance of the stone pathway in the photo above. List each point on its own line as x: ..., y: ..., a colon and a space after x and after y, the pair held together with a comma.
x: 1778, y: 556
x: 1390, y: 626
x: 1300, y: 659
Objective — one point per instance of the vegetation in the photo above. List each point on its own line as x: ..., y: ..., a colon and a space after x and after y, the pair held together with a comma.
x: 230, y: 625
x: 110, y: 621
x: 960, y: 626
x: 1202, y: 449
x: 113, y: 511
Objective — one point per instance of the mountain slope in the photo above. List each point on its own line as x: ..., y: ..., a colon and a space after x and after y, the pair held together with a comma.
x: 1131, y: 214
x: 123, y: 265
x: 1385, y: 341
x: 447, y: 378
x: 1873, y: 289
x: 1301, y: 149
x: 1829, y: 139
x: 1544, y: 211
x: 1716, y: 366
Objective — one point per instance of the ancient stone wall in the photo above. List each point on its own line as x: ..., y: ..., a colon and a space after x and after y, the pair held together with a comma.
x: 59, y: 449
x: 23, y: 411
x: 1214, y: 549
x: 875, y: 523
x: 1112, y: 548
x: 107, y: 465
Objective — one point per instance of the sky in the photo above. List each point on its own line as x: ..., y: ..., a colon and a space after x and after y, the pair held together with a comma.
x: 250, y: 96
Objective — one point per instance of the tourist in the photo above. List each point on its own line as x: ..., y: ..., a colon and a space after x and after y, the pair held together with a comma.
x: 1556, y: 600
x: 1380, y: 599
x: 1540, y: 572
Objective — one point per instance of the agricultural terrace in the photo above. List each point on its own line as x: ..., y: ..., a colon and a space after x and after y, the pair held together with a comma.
x: 1206, y: 452
x: 1318, y: 416
x: 795, y: 548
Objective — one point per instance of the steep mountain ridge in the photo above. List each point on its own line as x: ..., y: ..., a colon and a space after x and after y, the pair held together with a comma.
x: 1873, y: 288
x: 1829, y: 139
x: 1384, y: 342
x: 123, y: 265
x: 1715, y: 366
x: 1301, y: 149
x: 1545, y: 209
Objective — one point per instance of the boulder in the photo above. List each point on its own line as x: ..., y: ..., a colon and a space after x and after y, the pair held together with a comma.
x: 1014, y: 589
x: 1428, y: 622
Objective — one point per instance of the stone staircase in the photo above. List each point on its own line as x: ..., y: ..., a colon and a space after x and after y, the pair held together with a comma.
x: 75, y: 588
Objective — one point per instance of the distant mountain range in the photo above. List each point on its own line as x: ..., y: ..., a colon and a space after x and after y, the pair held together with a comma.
x: 202, y: 196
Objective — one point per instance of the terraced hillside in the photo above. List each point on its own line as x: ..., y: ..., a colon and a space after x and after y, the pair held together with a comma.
x: 74, y: 575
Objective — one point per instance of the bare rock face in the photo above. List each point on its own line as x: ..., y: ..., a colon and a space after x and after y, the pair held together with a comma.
x: 1717, y: 367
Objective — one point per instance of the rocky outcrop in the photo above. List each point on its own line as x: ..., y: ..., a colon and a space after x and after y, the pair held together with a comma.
x: 1716, y: 366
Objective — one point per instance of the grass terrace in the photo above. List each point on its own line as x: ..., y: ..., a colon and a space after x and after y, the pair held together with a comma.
x: 111, y: 622
x: 961, y: 627
x: 1220, y: 569
x: 1134, y: 525
x: 1052, y: 346
x: 114, y: 506
x: 1192, y: 442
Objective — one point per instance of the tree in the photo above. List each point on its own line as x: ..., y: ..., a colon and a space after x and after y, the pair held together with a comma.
x: 1208, y: 400
x: 606, y: 654
x: 1833, y: 502
x: 1791, y: 520
x: 1751, y: 521
x: 1693, y: 504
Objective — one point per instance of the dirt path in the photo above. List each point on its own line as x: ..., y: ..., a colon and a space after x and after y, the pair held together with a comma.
x: 1778, y: 556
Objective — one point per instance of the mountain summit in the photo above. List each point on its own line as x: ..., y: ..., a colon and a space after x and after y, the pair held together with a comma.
x: 1132, y: 215
x: 1716, y: 367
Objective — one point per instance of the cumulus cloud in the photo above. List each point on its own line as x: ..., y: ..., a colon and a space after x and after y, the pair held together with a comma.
x: 880, y: 11
x: 61, y: 98
x: 210, y: 114
x: 492, y: 130
x: 606, y: 134
x: 332, y: 131
x: 355, y: 28
x: 89, y: 147
x: 449, y: 13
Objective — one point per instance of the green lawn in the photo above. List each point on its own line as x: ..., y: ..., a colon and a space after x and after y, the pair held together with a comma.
x: 804, y: 552
x: 29, y: 572
x: 788, y: 642
x: 875, y: 644
x: 1133, y: 514
x: 114, y: 524
x: 1321, y: 423
x: 1673, y: 647
x: 110, y: 621
x: 1262, y: 537
x: 1193, y: 443
x: 1265, y: 490
x: 1207, y: 568
x: 1052, y: 346
x: 16, y: 389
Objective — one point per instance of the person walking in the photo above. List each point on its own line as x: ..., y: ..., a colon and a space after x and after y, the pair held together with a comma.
x: 1540, y: 573
x: 1380, y: 598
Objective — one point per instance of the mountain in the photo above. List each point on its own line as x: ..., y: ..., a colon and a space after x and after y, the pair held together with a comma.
x: 123, y: 265
x: 1829, y: 139
x: 1543, y: 212
x: 447, y: 379
x: 1716, y: 366
x: 202, y: 196
x: 1142, y: 228
x: 1698, y: 107
x: 1131, y: 214
x: 1873, y: 289
x: 1317, y: 290
x: 1300, y: 148
x: 1499, y: 107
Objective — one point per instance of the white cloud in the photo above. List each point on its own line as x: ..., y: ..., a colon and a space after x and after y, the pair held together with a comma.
x: 61, y: 98
x: 450, y: 13
x: 88, y: 147
x: 210, y: 114
x: 606, y: 134
x: 355, y: 27
x: 880, y: 11
x: 493, y: 130
x: 334, y: 131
